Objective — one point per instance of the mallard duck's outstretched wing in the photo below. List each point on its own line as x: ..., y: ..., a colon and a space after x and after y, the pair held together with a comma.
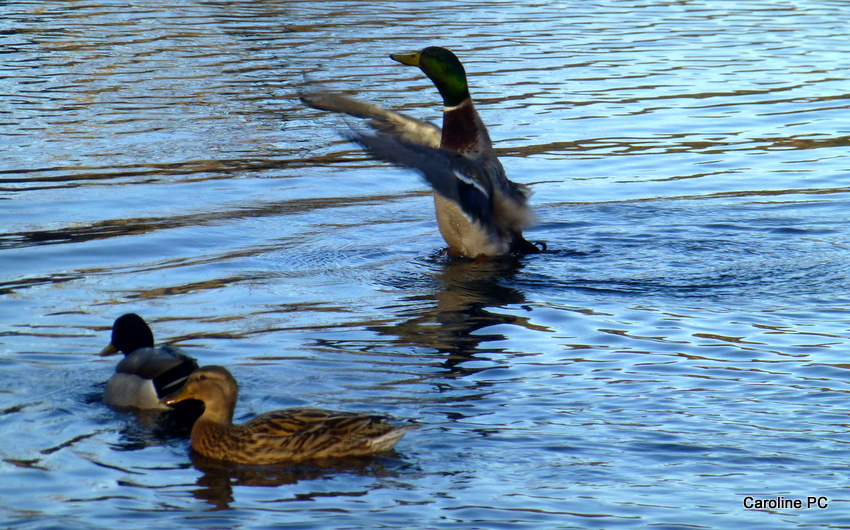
x: 452, y: 175
x: 496, y: 204
x: 382, y: 120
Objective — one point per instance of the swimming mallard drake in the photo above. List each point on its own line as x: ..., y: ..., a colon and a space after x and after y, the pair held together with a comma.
x: 146, y: 373
x: 479, y: 210
x: 286, y: 435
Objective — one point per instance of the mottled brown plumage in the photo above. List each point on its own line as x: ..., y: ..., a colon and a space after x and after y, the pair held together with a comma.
x: 280, y: 436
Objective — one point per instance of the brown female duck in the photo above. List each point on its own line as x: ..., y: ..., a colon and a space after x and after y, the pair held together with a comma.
x: 280, y: 436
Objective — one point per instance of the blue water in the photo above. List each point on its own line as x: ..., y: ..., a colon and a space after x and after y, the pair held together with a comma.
x: 680, y: 347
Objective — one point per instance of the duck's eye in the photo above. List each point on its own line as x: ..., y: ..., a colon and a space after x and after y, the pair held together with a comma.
x: 202, y: 377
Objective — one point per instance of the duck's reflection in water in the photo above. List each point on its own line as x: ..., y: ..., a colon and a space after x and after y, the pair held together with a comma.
x: 218, y: 478
x: 151, y: 428
x: 465, y: 302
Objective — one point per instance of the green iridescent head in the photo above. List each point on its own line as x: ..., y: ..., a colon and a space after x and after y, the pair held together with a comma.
x: 444, y: 69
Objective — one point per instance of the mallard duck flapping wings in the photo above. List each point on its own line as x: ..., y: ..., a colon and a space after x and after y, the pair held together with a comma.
x: 386, y: 121
x: 280, y: 436
x: 146, y: 373
x: 479, y: 210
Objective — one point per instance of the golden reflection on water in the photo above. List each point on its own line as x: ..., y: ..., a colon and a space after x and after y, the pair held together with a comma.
x: 217, y: 479
x: 466, y: 300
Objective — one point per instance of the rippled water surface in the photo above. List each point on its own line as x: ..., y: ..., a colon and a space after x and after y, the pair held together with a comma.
x: 681, y: 346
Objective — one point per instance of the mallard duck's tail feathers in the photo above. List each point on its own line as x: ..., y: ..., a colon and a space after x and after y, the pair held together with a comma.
x: 520, y: 245
x: 452, y: 175
x: 383, y: 120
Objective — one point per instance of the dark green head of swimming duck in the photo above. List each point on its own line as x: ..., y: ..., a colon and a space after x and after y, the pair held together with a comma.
x: 444, y: 69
